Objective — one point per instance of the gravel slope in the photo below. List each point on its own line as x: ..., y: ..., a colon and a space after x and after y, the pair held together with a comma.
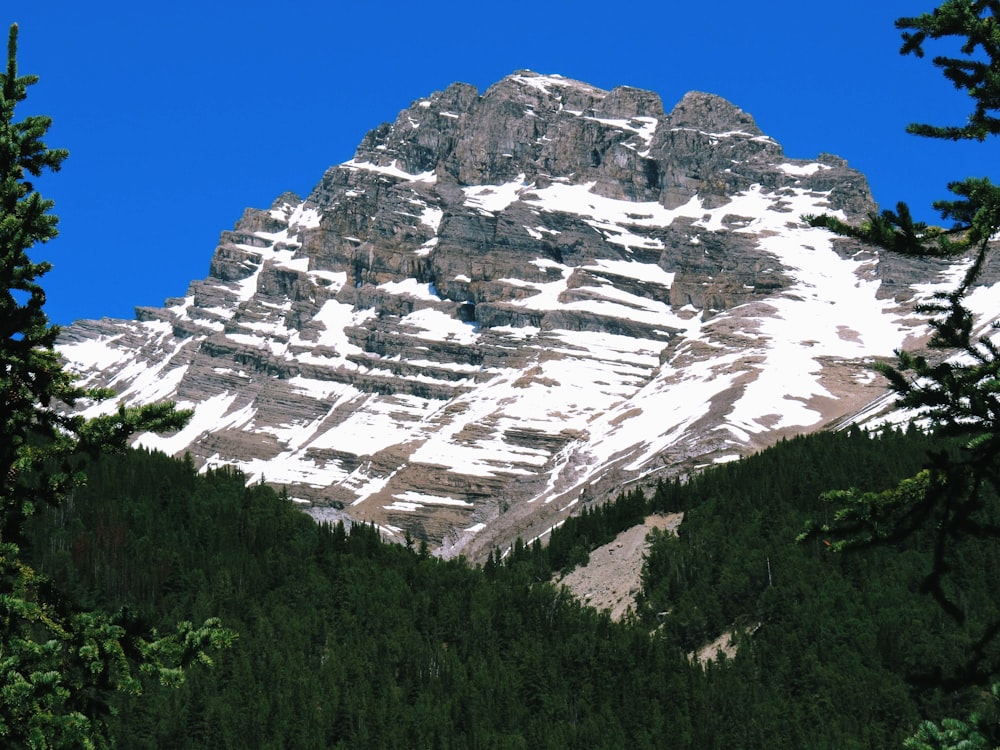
x: 610, y: 581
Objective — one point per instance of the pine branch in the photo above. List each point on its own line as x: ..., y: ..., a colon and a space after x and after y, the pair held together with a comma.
x: 896, y: 231
x: 978, y: 73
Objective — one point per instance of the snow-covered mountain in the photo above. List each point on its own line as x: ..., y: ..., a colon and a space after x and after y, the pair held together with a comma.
x: 509, y: 304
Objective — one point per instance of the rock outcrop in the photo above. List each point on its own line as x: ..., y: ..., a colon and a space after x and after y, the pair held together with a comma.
x: 510, y: 303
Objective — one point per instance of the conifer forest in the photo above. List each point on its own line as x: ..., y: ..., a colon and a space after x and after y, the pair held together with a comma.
x: 345, y: 641
x: 852, y: 573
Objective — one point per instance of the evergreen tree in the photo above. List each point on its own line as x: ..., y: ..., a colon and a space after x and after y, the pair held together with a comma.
x: 958, y: 390
x: 58, y: 663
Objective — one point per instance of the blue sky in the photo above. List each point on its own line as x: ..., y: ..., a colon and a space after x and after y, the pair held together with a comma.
x: 179, y: 115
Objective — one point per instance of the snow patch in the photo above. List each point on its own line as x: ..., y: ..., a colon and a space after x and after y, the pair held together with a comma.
x: 490, y: 199
x: 391, y: 170
x: 412, y: 288
x: 802, y: 170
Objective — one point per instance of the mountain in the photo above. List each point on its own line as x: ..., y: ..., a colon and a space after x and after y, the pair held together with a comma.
x: 512, y: 303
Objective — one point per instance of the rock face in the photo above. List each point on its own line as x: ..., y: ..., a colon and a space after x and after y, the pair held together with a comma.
x: 513, y: 302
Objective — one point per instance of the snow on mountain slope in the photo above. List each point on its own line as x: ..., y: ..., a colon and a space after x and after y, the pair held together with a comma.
x: 510, y: 303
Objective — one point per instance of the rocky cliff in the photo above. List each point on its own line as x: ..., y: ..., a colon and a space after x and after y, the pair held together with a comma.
x: 510, y: 303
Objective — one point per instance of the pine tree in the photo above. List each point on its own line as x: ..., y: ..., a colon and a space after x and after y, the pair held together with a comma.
x: 59, y: 664
x: 958, y: 389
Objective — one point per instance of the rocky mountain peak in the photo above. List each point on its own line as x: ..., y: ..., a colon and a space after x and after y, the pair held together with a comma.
x: 546, y: 91
x: 627, y: 103
x: 712, y: 114
x: 509, y: 304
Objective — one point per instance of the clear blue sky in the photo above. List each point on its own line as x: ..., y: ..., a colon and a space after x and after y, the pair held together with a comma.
x: 179, y: 115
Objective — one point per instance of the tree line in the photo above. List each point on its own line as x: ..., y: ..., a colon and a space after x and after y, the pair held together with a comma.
x: 346, y: 641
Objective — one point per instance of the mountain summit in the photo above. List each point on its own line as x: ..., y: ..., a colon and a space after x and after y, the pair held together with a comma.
x: 512, y: 303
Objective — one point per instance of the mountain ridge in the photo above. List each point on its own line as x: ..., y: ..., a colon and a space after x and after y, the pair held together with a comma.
x: 510, y: 304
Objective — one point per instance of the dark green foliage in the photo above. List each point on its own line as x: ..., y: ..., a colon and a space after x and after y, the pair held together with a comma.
x: 838, y: 641
x: 60, y: 664
x: 741, y: 518
x: 349, y: 642
x: 955, y: 500
x: 346, y: 641
x: 956, y: 734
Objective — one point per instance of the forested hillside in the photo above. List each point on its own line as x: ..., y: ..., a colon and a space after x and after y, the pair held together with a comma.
x: 345, y: 641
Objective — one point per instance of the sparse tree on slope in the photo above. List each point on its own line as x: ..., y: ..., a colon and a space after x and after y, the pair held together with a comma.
x: 59, y: 665
x: 955, y: 498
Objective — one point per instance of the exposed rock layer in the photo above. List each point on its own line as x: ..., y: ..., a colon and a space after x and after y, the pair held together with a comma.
x: 510, y: 303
